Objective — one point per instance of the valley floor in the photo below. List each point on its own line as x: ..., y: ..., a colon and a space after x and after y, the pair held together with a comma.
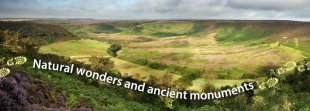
x: 194, y: 52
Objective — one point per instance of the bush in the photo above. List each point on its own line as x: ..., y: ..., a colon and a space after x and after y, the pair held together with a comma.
x: 188, y: 75
x: 112, y: 50
x: 101, y: 63
x: 155, y: 65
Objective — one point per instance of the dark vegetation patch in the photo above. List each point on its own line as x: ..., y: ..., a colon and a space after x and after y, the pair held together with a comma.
x: 30, y: 29
x: 107, y: 28
x: 165, y: 34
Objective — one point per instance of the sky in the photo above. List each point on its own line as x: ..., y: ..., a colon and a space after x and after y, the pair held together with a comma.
x: 158, y: 9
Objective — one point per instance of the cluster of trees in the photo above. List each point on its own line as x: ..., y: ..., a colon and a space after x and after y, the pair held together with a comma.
x: 112, y: 50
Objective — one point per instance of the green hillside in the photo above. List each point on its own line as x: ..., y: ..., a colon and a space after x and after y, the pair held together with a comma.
x: 227, y: 32
x: 45, y: 32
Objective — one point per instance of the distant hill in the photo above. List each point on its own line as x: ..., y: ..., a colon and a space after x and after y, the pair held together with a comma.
x: 290, y: 33
x: 30, y: 29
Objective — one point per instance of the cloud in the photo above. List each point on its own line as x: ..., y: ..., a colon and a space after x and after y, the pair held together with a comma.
x: 157, y: 9
x: 268, y: 4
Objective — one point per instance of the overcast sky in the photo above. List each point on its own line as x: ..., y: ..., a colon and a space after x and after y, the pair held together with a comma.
x: 158, y: 9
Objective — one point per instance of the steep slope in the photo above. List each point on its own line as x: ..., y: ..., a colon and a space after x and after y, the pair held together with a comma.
x: 30, y: 29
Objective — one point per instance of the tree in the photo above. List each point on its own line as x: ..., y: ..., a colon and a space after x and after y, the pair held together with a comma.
x: 112, y: 50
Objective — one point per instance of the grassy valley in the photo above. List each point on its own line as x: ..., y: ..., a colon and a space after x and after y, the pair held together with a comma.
x: 192, y: 55
x: 222, y: 50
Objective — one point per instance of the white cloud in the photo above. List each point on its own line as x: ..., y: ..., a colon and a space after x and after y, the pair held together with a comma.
x: 158, y: 9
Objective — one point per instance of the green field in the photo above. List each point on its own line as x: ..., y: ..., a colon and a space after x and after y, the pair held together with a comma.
x: 221, y: 61
x: 85, y: 47
x: 81, y: 50
x: 90, y: 48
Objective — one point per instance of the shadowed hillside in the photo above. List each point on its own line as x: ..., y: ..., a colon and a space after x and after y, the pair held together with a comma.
x: 43, y: 31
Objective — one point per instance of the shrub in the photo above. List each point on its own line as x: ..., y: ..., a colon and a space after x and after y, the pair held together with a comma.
x: 154, y: 65
x: 189, y: 75
x: 112, y: 50
x: 101, y: 63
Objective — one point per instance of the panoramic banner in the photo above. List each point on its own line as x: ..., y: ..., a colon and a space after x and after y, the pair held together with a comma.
x: 154, y: 55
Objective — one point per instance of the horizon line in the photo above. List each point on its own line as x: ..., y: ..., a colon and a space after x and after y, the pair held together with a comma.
x: 159, y: 19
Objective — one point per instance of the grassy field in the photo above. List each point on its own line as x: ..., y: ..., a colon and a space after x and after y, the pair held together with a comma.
x: 81, y: 50
x: 85, y: 47
x: 221, y: 59
x: 207, y: 55
x: 228, y: 62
